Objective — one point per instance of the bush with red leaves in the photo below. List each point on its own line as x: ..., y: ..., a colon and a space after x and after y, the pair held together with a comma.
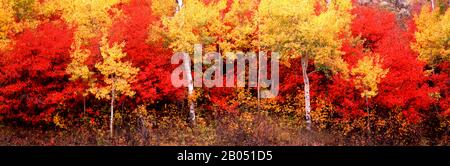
x: 33, y: 79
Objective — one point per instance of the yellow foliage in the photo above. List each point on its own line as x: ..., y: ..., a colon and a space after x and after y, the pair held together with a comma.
x: 195, y: 23
x: 25, y: 9
x: 293, y: 28
x: 432, y: 36
x: 9, y: 11
x: 77, y: 68
x: 91, y: 18
x: 58, y: 121
x: 163, y: 7
x: 6, y: 22
x: 117, y: 74
x: 240, y: 27
x: 322, y: 113
x: 368, y: 73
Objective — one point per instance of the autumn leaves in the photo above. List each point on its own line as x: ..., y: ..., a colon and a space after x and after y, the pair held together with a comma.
x: 348, y: 57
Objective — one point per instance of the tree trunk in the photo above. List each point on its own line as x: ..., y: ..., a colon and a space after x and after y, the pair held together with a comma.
x: 432, y: 4
x: 111, y: 119
x: 179, y: 5
x: 258, y: 81
x: 187, y: 67
x: 369, y: 133
x: 84, y: 105
x: 307, y: 96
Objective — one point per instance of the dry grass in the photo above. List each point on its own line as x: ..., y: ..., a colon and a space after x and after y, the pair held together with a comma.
x: 248, y: 129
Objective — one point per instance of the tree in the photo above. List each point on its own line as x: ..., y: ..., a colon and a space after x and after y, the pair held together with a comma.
x: 432, y: 36
x: 33, y: 82
x: 430, y: 32
x: 7, y: 22
x: 16, y: 16
x: 299, y: 34
x: 238, y: 34
x: 240, y: 27
x: 368, y: 73
x: 194, y: 23
x: 90, y: 18
x: 117, y: 75
x: 402, y: 97
x: 153, y: 60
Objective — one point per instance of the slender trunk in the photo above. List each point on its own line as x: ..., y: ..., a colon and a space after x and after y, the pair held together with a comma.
x: 307, y: 96
x: 259, y: 52
x: 432, y: 4
x: 111, y: 119
x: 179, y: 5
x: 257, y: 82
x: 328, y: 2
x: 369, y: 133
x: 187, y: 67
x: 84, y: 105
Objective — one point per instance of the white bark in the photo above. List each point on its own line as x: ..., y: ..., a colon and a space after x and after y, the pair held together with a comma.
x: 328, y: 2
x: 84, y: 105
x: 306, y: 89
x: 179, y: 5
x: 432, y: 4
x: 258, y: 79
x: 369, y: 133
x: 111, y: 119
x: 187, y: 67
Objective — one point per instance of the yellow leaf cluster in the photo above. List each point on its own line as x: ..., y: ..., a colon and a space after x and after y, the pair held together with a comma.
x: 368, y: 73
x: 59, y: 121
x: 25, y: 9
x: 432, y: 36
x: 240, y: 27
x: 6, y: 22
x: 77, y: 68
x: 163, y: 7
x: 9, y: 25
x: 293, y: 28
x: 195, y: 23
x: 91, y: 18
x: 117, y: 74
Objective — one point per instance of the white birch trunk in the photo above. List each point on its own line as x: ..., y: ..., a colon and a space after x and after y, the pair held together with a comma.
x: 306, y: 89
x: 258, y: 80
x: 179, y: 5
x: 84, y: 105
x: 369, y: 133
x: 432, y: 4
x: 111, y: 119
x: 187, y: 67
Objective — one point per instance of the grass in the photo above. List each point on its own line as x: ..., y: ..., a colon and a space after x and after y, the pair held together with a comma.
x: 170, y: 128
x: 228, y: 130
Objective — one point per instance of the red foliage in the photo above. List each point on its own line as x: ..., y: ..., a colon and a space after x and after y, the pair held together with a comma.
x: 223, y: 99
x: 440, y: 81
x: 34, y: 84
x: 153, y: 60
x: 372, y: 24
x: 33, y: 81
x: 403, y: 89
